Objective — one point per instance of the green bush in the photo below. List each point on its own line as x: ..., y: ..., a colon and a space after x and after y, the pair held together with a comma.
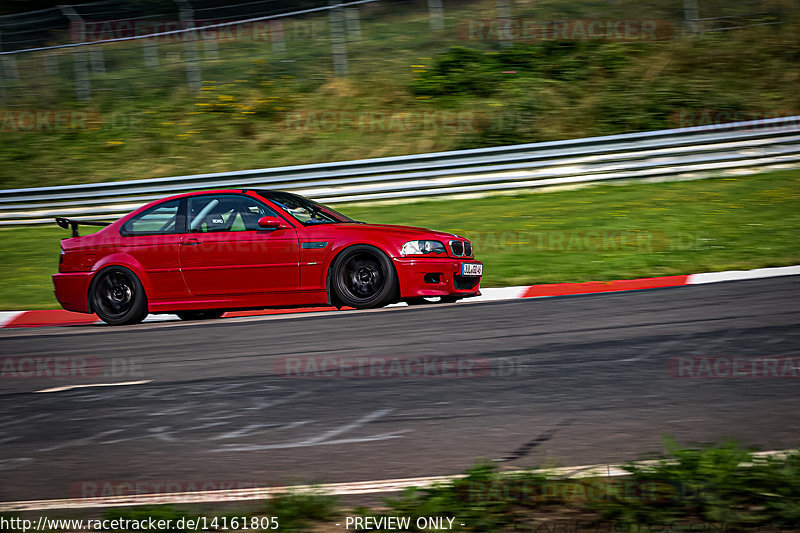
x: 723, y: 484
x: 296, y: 510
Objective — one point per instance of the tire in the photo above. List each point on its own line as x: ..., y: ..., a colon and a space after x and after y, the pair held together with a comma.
x: 117, y: 296
x: 363, y: 277
x: 205, y: 314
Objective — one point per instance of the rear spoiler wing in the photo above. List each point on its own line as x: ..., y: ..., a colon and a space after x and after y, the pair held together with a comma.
x: 71, y: 223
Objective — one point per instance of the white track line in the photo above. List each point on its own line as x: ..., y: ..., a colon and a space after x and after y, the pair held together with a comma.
x: 339, y: 489
x: 502, y: 293
x: 736, y: 275
x: 159, y: 318
x: 120, y: 384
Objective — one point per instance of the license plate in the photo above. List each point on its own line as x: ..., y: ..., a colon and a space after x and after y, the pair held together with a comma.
x: 471, y: 269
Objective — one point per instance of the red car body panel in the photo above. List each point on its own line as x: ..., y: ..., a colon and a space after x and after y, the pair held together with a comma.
x: 284, y: 267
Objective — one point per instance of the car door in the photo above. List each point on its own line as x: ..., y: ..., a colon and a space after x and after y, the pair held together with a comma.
x: 153, y: 239
x: 224, y: 252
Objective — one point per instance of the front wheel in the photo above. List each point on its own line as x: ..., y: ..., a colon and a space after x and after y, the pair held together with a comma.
x: 118, y: 297
x: 364, y: 277
x: 207, y: 314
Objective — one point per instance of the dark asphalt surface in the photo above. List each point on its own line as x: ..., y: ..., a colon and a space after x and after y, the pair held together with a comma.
x: 570, y: 381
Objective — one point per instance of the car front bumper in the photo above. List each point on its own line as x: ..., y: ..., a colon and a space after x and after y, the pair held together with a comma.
x: 423, y: 277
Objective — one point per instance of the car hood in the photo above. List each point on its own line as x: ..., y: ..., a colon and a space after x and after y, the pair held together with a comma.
x: 384, y: 230
x: 409, y: 232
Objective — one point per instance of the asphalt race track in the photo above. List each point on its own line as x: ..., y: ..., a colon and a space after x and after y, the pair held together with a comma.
x: 572, y: 380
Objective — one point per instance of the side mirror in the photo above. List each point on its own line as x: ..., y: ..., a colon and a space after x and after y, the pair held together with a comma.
x: 270, y: 223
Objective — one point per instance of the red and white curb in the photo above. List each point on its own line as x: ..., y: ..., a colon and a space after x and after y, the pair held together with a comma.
x: 590, y: 287
x: 60, y: 317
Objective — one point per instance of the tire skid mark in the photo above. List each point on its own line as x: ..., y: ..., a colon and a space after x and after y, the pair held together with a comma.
x: 526, y: 448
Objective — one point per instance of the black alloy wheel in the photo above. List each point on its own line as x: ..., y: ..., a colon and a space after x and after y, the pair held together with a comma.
x: 117, y: 297
x: 364, y: 277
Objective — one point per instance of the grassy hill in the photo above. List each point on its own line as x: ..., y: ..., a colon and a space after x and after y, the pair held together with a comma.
x: 409, y: 90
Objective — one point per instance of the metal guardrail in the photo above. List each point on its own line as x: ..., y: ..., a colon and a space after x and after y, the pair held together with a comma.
x: 771, y: 143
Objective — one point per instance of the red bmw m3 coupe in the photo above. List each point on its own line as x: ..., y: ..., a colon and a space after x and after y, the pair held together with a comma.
x: 201, y: 254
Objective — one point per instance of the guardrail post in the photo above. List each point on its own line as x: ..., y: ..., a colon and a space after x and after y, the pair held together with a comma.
x: 98, y: 62
x: 504, y: 37
x: 338, y: 44
x: 690, y: 15
x: 436, y: 13
x: 353, y: 24
x: 2, y: 76
x: 277, y: 34
x: 210, y: 43
x: 96, y: 59
x: 192, y: 58
x: 150, y: 49
x: 51, y: 63
x: 9, y: 63
x: 83, y: 88
x: 9, y: 71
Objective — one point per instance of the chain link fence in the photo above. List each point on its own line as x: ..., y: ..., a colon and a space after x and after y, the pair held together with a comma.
x: 111, y: 50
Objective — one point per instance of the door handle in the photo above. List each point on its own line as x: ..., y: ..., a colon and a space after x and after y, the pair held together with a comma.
x: 191, y: 242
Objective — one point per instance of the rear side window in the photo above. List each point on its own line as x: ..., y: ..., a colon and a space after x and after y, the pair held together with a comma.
x: 158, y: 220
x: 213, y: 213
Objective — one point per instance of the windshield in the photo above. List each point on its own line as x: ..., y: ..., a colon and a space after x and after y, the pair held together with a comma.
x: 304, y: 210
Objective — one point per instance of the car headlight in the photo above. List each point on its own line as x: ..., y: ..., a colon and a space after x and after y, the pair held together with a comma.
x: 422, y: 248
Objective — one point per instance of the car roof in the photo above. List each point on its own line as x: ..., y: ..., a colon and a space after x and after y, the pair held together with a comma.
x: 261, y: 192
x: 212, y: 191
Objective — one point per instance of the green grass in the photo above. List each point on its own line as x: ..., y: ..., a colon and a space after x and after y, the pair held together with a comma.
x: 295, y: 512
x: 145, y: 123
x: 723, y: 487
x: 711, y: 488
x: 668, y: 228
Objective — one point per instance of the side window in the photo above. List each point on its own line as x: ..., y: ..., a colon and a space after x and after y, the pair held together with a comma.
x: 225, y: 212
x: 159, y: 220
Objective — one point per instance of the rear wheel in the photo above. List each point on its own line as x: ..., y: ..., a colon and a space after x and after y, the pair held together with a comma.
x: 363, y: 277
x: 205, y: 314
x: 118, y: 297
